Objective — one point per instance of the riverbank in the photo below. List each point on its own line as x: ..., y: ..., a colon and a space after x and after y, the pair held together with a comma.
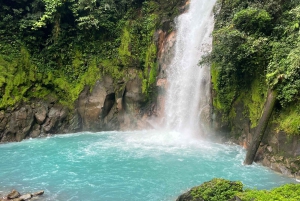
x: 14, y: 195
x: 225, y: 190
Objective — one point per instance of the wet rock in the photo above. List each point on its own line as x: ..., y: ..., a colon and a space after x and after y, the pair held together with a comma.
x: 19, y: 124
x: 55, y: 117
x: 133, y: 92
x: 75, y: 122
x: 269, y: 148
x: 25, y: 197
x: 120, y: 104
x: 38, y: 193
x: 36, y: 131
x: 13, y: 194
x: 94, y: 106
x: 3, y: 120
x: 41, y: 111
x: 89, y: 106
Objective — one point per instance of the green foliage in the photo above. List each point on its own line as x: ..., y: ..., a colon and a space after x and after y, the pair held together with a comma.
x: 217, y: 190
x: 57, y: 47
x: 252, y: 20
x: 255, y: 40
x: 284, y: 72
x: 254, y: 100
x: 289, y: 120
x: 224, y: 190
x: 124, y: 51
x: 110, y: 68
x: 288, y: 192
x: 18, y: 75
x: 51, y: 10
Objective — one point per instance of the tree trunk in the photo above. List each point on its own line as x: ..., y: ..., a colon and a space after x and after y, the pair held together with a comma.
x: 261, y: 127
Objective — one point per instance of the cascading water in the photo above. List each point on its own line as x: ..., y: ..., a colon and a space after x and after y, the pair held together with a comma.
x: 188, y: 84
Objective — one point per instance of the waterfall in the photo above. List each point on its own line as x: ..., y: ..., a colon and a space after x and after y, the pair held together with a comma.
x: 188, y: 90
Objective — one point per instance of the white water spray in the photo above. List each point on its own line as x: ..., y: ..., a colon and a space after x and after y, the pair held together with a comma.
x: 188, y: 84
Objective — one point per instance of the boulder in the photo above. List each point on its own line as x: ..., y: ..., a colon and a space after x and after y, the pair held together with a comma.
x: 75, y: 122
x: 25, y: 196
x: 19, y: 124
x: 41, y: 113
x: 55, y: 117
x: 36, y: 131
x: 133, y: 91
x: 38, y: 193
x: 3, y: 120
x: 13, y: 194
x: 216, y: 189
x: 94, y: 106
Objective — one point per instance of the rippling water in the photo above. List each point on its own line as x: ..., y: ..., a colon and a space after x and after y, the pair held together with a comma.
x: 142, y: 165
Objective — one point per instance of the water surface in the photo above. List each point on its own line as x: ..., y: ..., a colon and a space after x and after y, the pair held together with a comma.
x: 142, y: 165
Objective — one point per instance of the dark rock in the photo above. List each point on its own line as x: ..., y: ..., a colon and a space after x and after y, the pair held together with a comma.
x: 75, y: 122
x: 13, y: 194
x: 55, y: 117
x: 40, y: 113
x: 36, y: 131
x: 19, y: 124
x: 188, y: 197
x: 3, y: 120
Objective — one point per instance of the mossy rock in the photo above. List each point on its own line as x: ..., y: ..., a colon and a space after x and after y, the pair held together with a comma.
x: 214, y: 190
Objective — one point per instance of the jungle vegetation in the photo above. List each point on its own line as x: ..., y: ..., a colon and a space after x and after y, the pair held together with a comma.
x: 257, y: 47
x: 56, y: 47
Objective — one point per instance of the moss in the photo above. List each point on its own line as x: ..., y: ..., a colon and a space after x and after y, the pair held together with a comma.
x: 18, y: 76
x: 254, y: 99
x: 124, y: 50
x: 217, y: 190
x: 289, y: 119
x: 224, y: 96
x: 69, y: 91
x: 69, y: 63
x: 288, y: 192
x: 224, y: 190
x: 150, y: 69
x: 214, y: 75
x: 110, y: 67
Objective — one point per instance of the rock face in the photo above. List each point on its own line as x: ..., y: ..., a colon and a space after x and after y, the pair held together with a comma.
x: 166, y: 52
x: 38, y: 118
x: 108, y: 105
x: 277, y: 150
x: 105, y: 106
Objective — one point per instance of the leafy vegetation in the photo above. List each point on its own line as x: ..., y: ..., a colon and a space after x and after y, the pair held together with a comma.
x: 288, y: 192
x: 256, y: 44
x: 217, y: 190
x: 224, y: 190
x: 56, y: 47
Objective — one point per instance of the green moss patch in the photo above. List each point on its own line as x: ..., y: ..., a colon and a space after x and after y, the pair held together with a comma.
x: 289, y: 120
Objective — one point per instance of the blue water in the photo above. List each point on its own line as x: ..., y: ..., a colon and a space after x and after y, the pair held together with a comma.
x: 142, y: 166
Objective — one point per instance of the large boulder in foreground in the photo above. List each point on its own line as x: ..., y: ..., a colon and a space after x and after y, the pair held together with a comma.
x: 216, y: 189
x: 13, y: 194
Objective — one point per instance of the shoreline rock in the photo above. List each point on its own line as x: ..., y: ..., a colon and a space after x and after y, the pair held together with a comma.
x: 14, y: 195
